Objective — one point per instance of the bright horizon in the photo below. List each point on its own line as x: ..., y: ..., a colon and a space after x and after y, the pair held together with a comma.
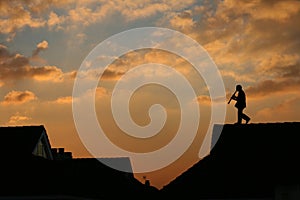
x: 253, y: 43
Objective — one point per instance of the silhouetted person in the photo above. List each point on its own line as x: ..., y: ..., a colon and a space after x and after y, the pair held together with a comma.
x: 240, y: 104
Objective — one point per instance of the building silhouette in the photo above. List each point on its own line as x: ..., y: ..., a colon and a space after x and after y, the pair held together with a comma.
x: 23, y: 142
x: 61, y: 154
x: 31, y: 169
x: 248, y: 161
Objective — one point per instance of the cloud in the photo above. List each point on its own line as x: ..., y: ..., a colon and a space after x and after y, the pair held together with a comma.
x: 90, y: 12
x: 70, y: 14
x: 55, y: 22
x: 18, y: 97
x: 15, y: 16
x: 123, y: 64
x: 64, y: 100
x: 284, y: 73
x: 183, y: 20
x: 275, y: 10
x: 134, y: 11
x: 267, y: 87
x: 101, y: 92
x: 40, y: 47
x: 67, y: 100
x: 112, y: 74
x: 288, y: 110
x: 70, y: 75
x: 281, y: 66
x: 45, y: 73
x: 254, y: 42
x: 18, y: 119
x: 13, y: 60
x: 15, y: 67
x: 203, y: 99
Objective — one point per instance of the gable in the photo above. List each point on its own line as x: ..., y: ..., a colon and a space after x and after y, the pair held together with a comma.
x: 42, y: 147
x: 21, y: 141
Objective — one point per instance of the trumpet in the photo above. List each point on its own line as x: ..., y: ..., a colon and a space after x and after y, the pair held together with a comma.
x: 232, y: 96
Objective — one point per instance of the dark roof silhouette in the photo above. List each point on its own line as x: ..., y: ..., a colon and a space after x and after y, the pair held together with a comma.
x: 84, y: 178
x: 24, y: 174
x: 247, y: 161
x: 21, y: 141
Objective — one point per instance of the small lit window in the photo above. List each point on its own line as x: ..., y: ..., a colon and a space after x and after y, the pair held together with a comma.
x: 40, y: 150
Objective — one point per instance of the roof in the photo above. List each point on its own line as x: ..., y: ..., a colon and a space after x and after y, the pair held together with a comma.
x: 79, y: 177
x: 247, y: 161
x: 19, y: 140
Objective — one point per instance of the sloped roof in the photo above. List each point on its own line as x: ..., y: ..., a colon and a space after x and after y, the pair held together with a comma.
x: 19, y: 140
x: 247, y: 161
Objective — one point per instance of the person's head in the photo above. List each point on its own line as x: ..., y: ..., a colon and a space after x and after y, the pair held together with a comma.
x: 238, y: 87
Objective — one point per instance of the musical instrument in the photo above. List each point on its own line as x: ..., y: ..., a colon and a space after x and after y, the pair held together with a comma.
x: 233, y: 95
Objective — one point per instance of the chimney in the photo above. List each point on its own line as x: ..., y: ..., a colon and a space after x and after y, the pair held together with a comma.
x: 61, y: 150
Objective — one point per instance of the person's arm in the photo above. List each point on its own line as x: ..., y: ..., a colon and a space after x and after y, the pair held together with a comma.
x: 232, y: 97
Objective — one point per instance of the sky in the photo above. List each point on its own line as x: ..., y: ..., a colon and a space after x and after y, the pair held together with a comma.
x: 43, y: 44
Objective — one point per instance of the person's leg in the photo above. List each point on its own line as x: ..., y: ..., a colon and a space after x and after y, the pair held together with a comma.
x: 239, y: 115
x: 245, y: 117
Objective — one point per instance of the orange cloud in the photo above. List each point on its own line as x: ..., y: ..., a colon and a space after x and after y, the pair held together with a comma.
x: 275, y: 10
x: 287, y: 110
x: 253, y: 42
x: 267, y: 87
x: 39, y: 47
x: 18, y: 97
x: 183, y: 20
x: 135, y: 58
x: 70, y: 75
x: 14, y: 67
x: 133, y: 10
x: 46, y: 73
x: 64, y: 100
x: 203, y: 99
x: 15, y: 16
x: 55, y: 21
x: 112, y: 74
x: 101, y: 92
x: 18, y: 119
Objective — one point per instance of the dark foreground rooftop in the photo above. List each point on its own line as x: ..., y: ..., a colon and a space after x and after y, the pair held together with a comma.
x: 81, y: 178
x: 253, y: 161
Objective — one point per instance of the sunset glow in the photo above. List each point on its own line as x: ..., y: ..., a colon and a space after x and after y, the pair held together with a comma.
x: 43, y: 44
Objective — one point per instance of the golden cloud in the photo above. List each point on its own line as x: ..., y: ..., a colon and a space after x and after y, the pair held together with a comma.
x: 101, y: 92
x: 288, y: 110
x: 203, y: 99
x: 15, y: 15
x: 267, y: 87
x: 18, y: 119
x: 135, y: 58
x: 183, y: 20
x: 64, y: 100
x: 18, y: 97
x: 40, y: 47
x: 14, y: 67
x: 55, y: 21
x: 253, y: 42
x: 46, y: 73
